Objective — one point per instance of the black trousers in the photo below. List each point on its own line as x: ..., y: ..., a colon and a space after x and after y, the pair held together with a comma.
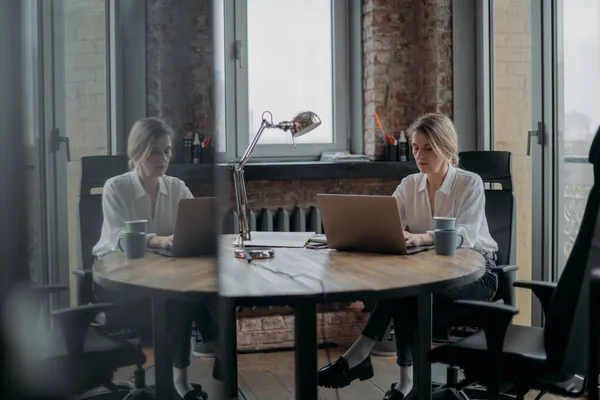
x: 181, y: 315
x: 135, y: 313
x: 403, y: 312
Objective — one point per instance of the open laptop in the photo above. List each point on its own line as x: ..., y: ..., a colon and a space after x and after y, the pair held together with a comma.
x: 195, y: 230
x: 364, y: 223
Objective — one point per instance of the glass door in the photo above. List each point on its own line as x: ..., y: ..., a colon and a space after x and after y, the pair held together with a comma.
x: 66, y: 118
x: 577, y: 62
x: 565, y: 69
x: 79, y: 99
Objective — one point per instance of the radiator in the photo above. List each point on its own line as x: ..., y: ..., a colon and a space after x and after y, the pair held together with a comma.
x: 280, y: 220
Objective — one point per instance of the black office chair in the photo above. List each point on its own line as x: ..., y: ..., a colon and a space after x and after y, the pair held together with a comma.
x: 494, y: 167
x: 74, y: 357
x: 131, y: 320
x: 507, y: 358
x: 594, y: 336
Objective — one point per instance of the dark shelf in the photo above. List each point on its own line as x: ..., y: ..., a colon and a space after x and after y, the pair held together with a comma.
x: 309, y: 170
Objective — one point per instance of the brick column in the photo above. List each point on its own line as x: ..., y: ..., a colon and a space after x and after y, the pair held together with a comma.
x: 407, y: 64
x: 179, y: 62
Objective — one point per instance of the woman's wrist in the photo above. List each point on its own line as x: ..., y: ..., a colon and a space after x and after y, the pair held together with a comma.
x: 426, y: 239
x: 152, y: 240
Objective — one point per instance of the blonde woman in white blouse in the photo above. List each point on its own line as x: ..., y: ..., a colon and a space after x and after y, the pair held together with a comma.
x: 440, y: 189
x: 147, y: 193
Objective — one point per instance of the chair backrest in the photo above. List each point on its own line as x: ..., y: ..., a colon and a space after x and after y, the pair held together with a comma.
x: 95, y: 171
x: 500, y: 204
x: 566, y: 337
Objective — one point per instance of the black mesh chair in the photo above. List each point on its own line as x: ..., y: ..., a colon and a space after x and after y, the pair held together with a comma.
x: 128, y: 319
x: 71, y: 356
x: 494, y: 168
x: 514, y: 359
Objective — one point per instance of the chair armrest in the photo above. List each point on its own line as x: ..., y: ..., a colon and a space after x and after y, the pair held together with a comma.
x: 493, y: 319
x: 74, y: 323
x: 507, y: 274
x: 503, y: 269
x: 46, y: 290
x: 83, y: 272
x: 542, y: 290
x: 85, y: 286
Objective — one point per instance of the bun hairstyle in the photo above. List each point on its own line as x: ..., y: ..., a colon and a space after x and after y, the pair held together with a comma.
x: 439, y: 131
x: 142, y: 136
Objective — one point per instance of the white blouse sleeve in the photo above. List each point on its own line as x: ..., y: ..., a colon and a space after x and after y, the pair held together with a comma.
x: 115, y: 216
x: 471, y: 212
x: 185, y: 192
x: 399, y: 194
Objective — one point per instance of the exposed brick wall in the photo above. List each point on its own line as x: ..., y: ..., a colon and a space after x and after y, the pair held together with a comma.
x: 408, y: 57
x: 293, y: 193
x: 179, y: 64
x: 260, y: 329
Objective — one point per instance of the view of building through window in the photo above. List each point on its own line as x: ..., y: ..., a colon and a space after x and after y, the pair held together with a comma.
x: 579, y: 68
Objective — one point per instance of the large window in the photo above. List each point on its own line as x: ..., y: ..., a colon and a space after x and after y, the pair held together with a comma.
x: 282, y: 56
x: 578, y: 44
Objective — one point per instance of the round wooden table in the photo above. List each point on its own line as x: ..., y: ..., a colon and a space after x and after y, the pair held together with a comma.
x: 156, y: 275
x: 161, y: 279
x: 298, y: 277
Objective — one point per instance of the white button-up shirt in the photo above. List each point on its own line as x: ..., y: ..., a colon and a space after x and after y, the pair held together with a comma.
x: 125, y: 199
x: 461, y: 196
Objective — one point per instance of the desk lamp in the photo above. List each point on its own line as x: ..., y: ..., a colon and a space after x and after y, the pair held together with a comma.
x: 302, y: 123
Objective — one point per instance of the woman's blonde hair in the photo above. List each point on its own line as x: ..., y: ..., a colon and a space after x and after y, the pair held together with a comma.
x: 439, y: 131
x: 144, y: 133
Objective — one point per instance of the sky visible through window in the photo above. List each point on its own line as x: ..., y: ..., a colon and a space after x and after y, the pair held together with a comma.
x: 290, y: 60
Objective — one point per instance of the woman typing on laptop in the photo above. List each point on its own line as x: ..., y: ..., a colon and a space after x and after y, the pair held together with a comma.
x: 440, y: 189
x: 146, y: 193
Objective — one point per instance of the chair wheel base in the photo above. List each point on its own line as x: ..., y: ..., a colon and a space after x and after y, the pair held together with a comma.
x: 448, y: 394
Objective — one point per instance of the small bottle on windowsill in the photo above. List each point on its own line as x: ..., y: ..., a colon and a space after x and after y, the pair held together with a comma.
x: 402, y: 146
x: 196, y: 149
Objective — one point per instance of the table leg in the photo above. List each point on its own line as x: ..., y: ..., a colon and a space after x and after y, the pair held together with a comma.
x: 423, y: 372
x: 228, y: 337
x: 305, y: 328
x: 163, y: 360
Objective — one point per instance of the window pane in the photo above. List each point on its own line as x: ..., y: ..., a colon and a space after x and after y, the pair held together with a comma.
x: 290, y: 57
x: 34, y: 167
x: 219, y: 96
x: 578, y: 109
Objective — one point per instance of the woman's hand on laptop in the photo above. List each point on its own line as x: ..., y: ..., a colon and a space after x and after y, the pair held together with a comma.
x: 161, y: 242
x: 414, y: 239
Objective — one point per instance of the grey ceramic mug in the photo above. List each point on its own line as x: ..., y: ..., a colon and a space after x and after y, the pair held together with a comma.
x: 446, y: 241
x: 138, y: 226
x: 444, y: 223
x: 133, y: 244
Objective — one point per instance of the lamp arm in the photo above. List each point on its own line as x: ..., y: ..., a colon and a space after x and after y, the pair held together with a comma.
x: 250, y: 149
x: 239, y: 184
x: 241, y: 201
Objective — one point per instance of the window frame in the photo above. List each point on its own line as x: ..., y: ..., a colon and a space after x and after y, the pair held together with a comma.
x: 346, y: 78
